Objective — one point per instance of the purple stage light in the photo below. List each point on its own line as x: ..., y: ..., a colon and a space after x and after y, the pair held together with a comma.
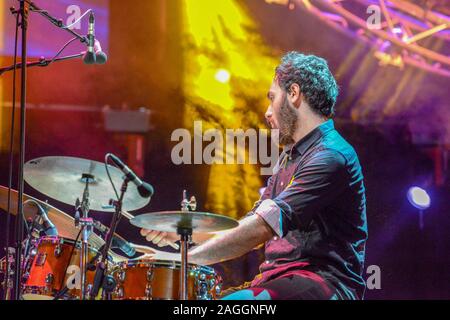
x: 418, y: 198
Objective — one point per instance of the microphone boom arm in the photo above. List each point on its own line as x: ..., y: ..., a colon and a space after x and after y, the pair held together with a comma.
x: 54, y: 21
x: 41, y: 63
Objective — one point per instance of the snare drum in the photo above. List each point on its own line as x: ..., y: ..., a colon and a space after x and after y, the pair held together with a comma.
x: 160, y: 280
x: 53, y: 267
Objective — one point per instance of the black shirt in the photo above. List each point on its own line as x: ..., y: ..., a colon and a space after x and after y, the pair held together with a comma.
x: 317, y: 208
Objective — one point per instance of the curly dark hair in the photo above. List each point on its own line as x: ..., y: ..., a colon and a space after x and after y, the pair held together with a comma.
x: 316, y: 82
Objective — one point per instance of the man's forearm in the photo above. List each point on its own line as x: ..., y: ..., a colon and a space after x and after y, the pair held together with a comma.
x: 251, y: 232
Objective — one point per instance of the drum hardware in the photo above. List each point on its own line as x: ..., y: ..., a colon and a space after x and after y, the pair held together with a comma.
x: 83, y: 221
x: 148, y: 291
x: 58, y: 251
x: 99, y: 278
x: 41, y: 258
x: 185, y: 233
x: 134, y: 282
x: 7, y: 270
x: 190, y: 205
x: 49, y: 278
x: 183, y: 223
x: 109, y: 284
x: 150, y: 274
x: 119, y: 293
x: 121, y: 276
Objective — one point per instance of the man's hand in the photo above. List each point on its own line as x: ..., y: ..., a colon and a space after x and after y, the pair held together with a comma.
x: 161, y: 239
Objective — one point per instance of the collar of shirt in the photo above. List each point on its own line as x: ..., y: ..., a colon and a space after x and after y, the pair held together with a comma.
x: 307, y: 141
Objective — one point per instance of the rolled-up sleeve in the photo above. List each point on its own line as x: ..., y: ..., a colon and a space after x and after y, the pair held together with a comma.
x: 271, y: 214
x: 266, y: 195
x: 312, y: 187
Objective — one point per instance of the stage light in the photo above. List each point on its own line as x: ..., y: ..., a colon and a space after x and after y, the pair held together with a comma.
x: 418, y: 198
x: 222, y: 75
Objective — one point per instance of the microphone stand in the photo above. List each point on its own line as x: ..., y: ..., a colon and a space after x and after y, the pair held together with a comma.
x: 99, y: 278
x: 53, y: 20
x: 19, y: 225
x: 40, y: 63
x: 25, y: 6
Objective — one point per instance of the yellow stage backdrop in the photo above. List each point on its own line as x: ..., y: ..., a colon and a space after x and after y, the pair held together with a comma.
x: 221, y: 41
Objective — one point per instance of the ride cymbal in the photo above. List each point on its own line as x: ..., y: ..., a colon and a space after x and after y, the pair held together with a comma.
x: 64, y: 179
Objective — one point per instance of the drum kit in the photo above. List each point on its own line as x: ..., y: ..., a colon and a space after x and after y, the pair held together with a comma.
x: 72, y: 258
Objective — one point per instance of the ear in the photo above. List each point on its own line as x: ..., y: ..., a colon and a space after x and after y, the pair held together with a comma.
x: 295, y: 95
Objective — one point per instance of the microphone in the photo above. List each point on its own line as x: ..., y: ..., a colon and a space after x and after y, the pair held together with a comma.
x: 144, y: 189
x: 124, y: 246
x: 90, y: 56
x: 117, y: 242
x: 35, y: 228
x: 100, y: 56
x: 49, y: 227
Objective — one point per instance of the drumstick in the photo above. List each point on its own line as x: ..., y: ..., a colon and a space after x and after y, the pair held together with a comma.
x: 127, y: 215
x: 145, y: 249
x: 172, y: 244
x: 141, y: 248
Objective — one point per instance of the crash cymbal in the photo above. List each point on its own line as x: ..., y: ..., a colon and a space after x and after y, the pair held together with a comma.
x: 60, y: 178
x: 169, y: 221
x: 64, y: 223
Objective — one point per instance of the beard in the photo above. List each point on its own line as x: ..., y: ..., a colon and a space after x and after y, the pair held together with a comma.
x: 288, y: 120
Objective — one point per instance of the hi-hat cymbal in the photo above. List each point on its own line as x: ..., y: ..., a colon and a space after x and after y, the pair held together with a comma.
x: 64, y: 223
x: 170, y: 221
x: 61, y: 178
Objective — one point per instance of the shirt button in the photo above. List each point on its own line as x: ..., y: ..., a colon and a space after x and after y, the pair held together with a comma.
x: 282, y: 183
x: 275, y: 238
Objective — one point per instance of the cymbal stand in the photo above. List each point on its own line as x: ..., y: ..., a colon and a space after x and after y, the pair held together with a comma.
x: 185, y: 234
x: 86, y: 223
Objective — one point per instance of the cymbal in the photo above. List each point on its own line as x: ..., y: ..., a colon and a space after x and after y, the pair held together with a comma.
x: 60, y: 178
x: 64, y: 223
x: 169, y: 221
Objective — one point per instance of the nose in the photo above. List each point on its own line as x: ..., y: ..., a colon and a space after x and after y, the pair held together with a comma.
x: 269, y: 113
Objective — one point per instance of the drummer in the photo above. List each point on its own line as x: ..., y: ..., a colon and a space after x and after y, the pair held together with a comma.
x: 312, y: 215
